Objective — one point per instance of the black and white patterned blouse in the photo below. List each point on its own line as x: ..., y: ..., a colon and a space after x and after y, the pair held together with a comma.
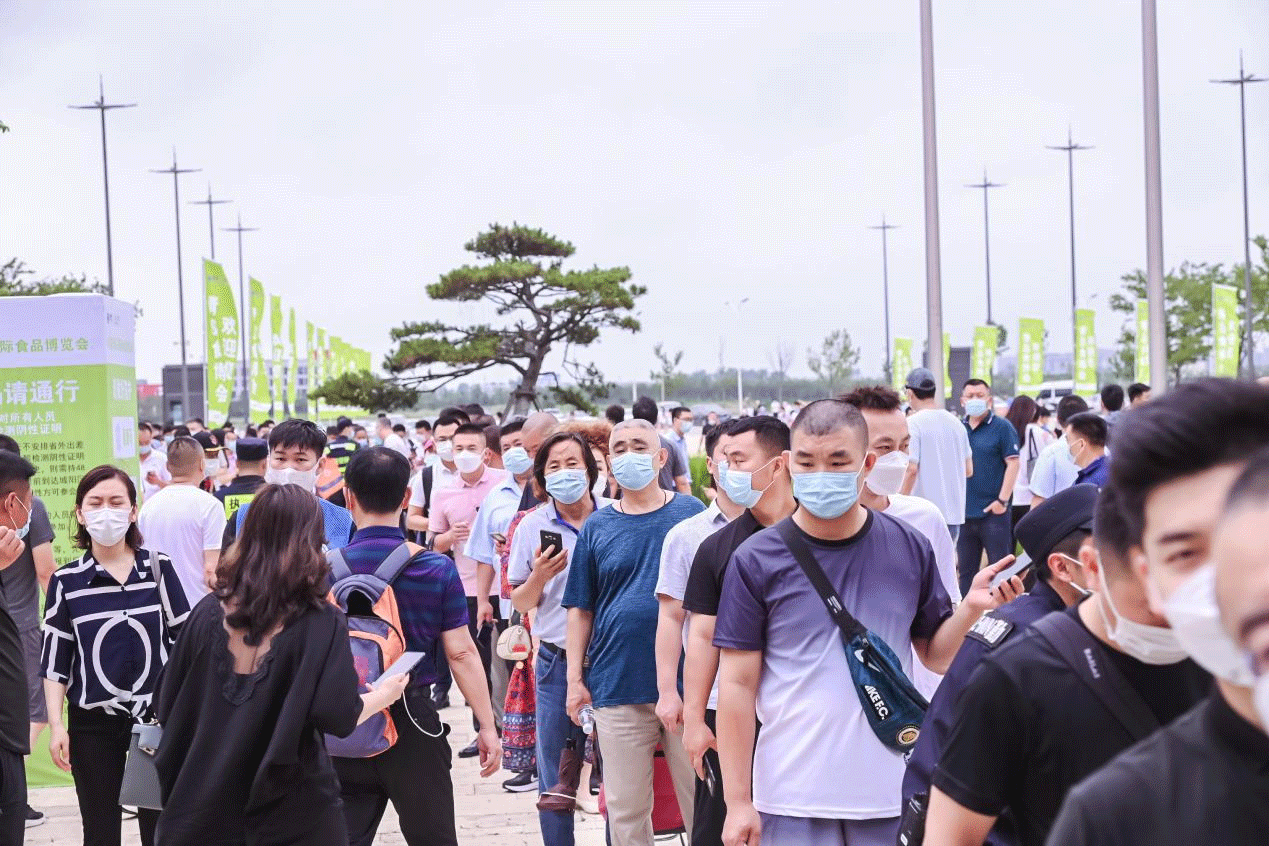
x: 108, y: 641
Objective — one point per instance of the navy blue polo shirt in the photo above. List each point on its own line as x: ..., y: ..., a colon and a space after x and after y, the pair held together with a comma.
x: 991, y: 443
x: 1096, y: 473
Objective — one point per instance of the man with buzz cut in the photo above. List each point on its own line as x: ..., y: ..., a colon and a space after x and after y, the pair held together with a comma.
x: 819, y: 774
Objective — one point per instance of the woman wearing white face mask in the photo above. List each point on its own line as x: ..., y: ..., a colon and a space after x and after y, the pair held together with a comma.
x: 110, y: 621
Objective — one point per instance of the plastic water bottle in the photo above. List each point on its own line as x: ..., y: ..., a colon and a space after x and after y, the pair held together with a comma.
x: 587, y: 715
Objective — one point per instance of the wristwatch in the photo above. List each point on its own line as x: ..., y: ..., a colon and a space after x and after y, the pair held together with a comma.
x: 1002, y: 502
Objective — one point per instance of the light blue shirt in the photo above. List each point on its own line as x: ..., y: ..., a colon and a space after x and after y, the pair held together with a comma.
x: 1053, y: 470
x: 497, y: 510
x: 680, y: 444
x: 551, y: 622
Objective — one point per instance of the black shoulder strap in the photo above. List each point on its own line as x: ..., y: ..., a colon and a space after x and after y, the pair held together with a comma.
x: 427, y: 488
x: 1084, y: 654
x: 396, y: 561
x: 802, y: 554
x: 338, y: 566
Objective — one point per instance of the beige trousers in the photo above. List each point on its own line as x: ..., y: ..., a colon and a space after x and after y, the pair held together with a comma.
x: 628, y: 738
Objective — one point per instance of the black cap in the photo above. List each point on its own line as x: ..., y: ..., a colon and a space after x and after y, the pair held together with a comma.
x: 1046, y: 525
x: 920, y: 379
x: 252, y: 449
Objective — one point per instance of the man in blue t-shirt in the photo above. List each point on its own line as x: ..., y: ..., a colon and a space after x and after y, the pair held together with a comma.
x: 993, y: 443
x: 612, y: 622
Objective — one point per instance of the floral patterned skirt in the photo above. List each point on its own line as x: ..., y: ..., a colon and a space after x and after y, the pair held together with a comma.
x: 519, y: 721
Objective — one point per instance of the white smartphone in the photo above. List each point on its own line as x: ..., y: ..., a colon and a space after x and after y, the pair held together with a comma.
x: 403, y: 664
x: 1022, y: 563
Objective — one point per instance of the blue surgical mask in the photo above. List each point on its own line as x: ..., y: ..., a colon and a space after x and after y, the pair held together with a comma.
x: 826, y: 495
x: 687, y: 427
x: 567, y: 486
x: 976, y: 407
x: 517, y: 461
x: 26, y: 527
x: 634, y: 471
x: 738, y: 484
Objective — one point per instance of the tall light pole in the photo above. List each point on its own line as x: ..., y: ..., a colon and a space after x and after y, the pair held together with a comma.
x: 244, y: 317
x: 986, y: 185
x: 885, y: 288
x: 180, y: 278
x: 1070, y: 147
x: 1154, y: 198
x: 933, y: 279
x: 1249, y: 344
x: 211, y: 220
x: 102, y: 106
x: 740, y: 385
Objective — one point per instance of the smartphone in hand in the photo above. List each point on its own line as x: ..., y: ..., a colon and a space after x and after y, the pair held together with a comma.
x: 552, y: 543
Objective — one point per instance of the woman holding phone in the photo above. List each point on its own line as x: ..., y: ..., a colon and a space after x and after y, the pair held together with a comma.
x: 264, y: 669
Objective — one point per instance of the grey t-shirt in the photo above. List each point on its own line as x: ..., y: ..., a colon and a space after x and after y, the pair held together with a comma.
x: 816, y: 755
x: 21, y: 587
x: 674, y: 466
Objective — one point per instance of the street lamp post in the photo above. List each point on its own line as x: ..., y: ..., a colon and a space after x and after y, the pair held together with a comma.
x: 1070, y: 147
x: 180, y: 277
x: 885, y: 288
x: 986, y: 185
x: 102, y: 106
x: 933, y: 277
x: 1249, y: 344
x: 211, y: 220
x: 244, y: 317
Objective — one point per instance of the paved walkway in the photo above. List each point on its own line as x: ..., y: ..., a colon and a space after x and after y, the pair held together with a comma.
x: 487, y: 815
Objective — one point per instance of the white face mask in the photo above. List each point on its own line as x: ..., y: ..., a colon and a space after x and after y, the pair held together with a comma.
x: 1192, y: 611
x: 600, y: 488
x: 107, y: 526
x: 445, y: 450
x: 1148, y: 644
x: 468, y: 462
x: 303, y: 479
x: 887, y: 474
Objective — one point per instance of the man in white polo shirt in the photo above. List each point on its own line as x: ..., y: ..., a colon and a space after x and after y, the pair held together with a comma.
x: 184, y: 522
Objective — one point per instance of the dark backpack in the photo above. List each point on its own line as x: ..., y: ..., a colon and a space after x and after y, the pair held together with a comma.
x: 374, y: 634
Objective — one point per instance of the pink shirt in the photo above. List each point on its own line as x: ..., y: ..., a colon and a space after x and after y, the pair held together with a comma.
x: 458, y: 502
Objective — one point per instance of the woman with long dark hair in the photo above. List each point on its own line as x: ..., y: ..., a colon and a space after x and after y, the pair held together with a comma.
x: 1024, y: 414
x: 263, y: 671
x: 110, y: 620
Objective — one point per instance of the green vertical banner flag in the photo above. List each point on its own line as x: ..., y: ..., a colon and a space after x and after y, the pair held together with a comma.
x: 983, y: 365
x: 1085, y: 353
x: 947, y: 364
x: 292, y: 370
x: 310, y: 359
x: 900, y: 362
x: 276, y: 354
x: 68, y: 395
x: 1142, y: 374
x: 320, y: 366
x: 1030, y: 356
x: 221, y: 321
x: 259, y: 378
x: 1225, y: 330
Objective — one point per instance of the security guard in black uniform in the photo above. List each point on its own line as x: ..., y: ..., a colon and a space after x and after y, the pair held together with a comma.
x: 1051, y: 535
x: 253, y: 454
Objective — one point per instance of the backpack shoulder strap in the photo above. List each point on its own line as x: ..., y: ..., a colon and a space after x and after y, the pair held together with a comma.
x: 1084, y: 654
x: 396, y: 561
x: 427, y: 486
x: 339, y: 568
x: 802, y: 554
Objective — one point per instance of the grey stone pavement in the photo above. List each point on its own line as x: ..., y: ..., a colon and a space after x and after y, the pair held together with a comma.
x: 487, y: 815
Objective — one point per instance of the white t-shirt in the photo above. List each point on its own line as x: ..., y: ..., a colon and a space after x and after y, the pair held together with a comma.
x: 182, y: 522
x: 395, y: 441
x: 940, y: 448
x: 925, y: 517
x: 1028, y: 451
x: 155, y: 462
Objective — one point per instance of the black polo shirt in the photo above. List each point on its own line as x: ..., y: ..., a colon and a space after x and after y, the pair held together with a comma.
x: 1203, y: 779
x: 238, y: 493
x: 705, y: 579
x: 1028, y: 728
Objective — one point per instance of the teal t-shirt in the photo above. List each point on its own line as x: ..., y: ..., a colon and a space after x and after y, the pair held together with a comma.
x: 613, y: 575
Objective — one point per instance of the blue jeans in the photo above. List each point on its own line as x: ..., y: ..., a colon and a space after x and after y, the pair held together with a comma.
x: 554, y: 729
x: 991, y: 533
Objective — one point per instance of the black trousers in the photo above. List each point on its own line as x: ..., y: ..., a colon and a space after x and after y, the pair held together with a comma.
x: 12, y: 798
x: 709, y: 809
x: 414, y: 774
x: 98, y: 749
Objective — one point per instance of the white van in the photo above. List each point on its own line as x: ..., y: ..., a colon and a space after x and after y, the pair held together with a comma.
x: 1051, y: 393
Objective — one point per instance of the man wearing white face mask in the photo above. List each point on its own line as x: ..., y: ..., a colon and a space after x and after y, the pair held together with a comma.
x: 433, y: 477
x: 295, y: 449
x: 184, y: 522
x: 1073, y: 691
x: 1200, y: 515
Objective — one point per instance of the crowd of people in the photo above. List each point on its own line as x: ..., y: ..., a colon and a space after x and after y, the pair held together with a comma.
x: 878, y: 623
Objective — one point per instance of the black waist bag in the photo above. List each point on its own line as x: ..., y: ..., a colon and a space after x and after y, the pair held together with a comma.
x: 892, y: 704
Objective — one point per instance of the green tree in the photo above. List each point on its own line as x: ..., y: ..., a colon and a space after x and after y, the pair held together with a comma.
x: 363, y: 389
x: 781, y: 358
x: 18, y: 280
x: 836, y: 359
x: 543, y: 307
x: 1187, y: 293
x: 667, y: 372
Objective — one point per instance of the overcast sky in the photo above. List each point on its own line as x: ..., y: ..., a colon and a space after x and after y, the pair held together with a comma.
x: 720, y: 150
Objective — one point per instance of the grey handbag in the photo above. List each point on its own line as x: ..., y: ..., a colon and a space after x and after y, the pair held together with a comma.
x: 140, y: 788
